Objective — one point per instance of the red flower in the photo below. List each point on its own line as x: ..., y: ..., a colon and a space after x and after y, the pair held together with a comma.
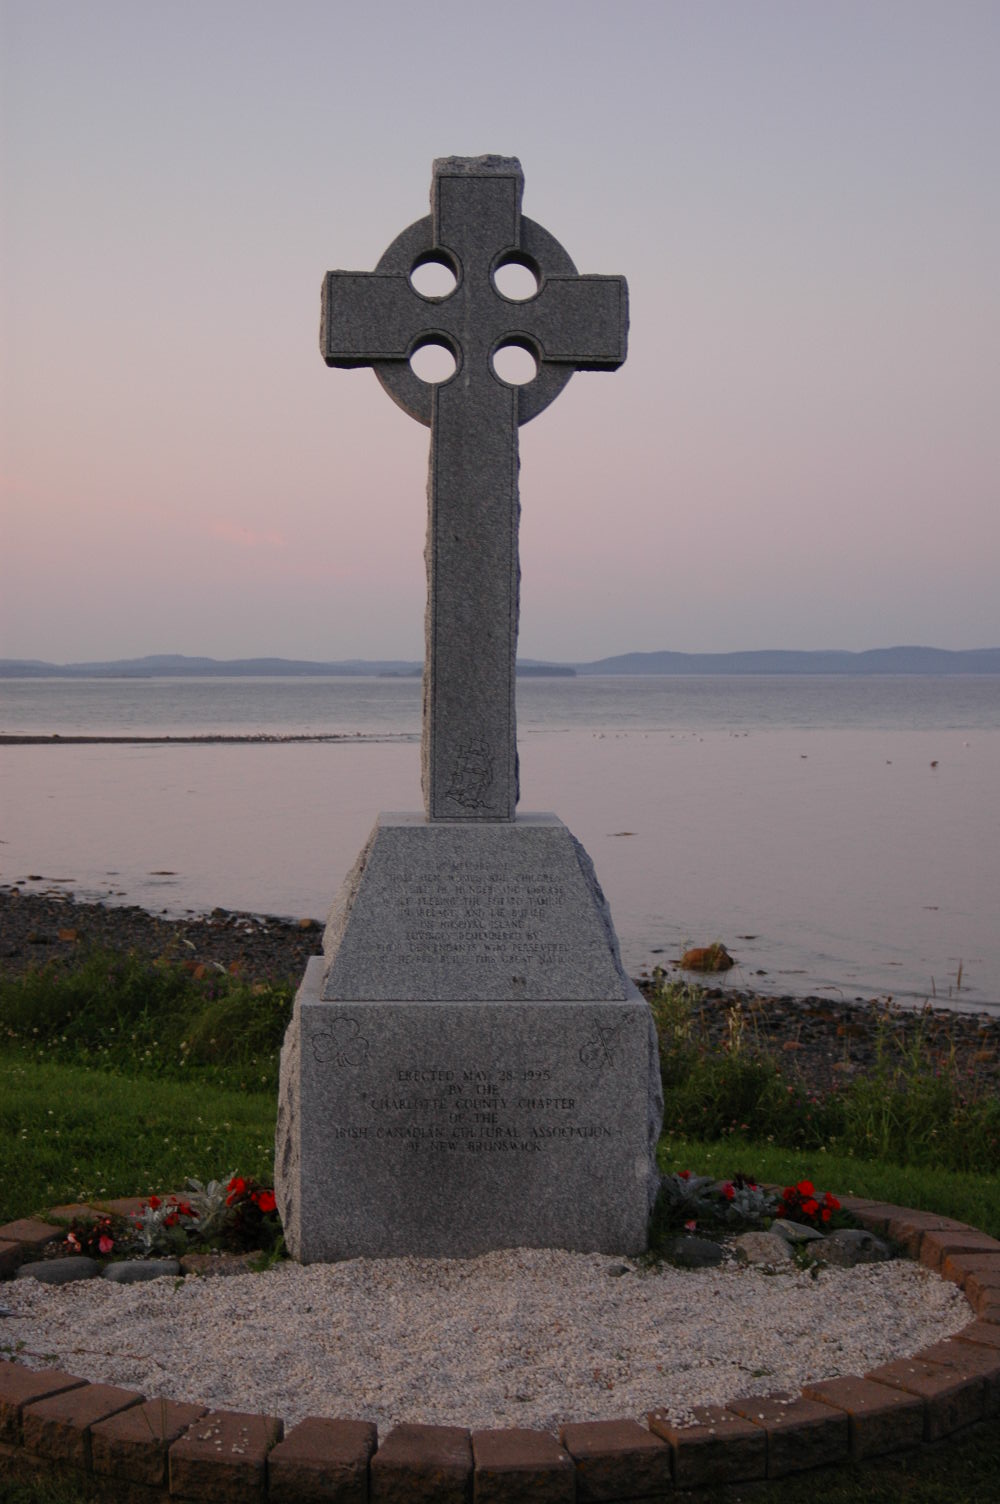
x: 265, y: 1200
x: 236, y: 1188
x: 805, y: 1188
x: 810, y: 1207
x: 170, y: 1220
x: 104, y: 1243
x: 832, y: 1202
x: 826, y: 1214
x: 154, y: 1203
x: 727, y: 1191
x: 683, y: 1174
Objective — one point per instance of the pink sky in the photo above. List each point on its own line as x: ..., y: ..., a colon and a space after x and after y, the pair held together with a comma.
x: 802, y: 450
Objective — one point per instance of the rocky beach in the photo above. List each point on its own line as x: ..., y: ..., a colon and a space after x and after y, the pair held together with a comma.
x: 818, y: 1040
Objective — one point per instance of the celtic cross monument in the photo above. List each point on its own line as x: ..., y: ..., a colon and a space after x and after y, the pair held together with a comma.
x: 573, y: 323
x: 468, y: 1066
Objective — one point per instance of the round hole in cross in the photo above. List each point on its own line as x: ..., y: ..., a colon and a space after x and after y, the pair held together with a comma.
x: 516, y: 280
x: 515, y: 364
x: 434, y: 279
x: 433, y: 363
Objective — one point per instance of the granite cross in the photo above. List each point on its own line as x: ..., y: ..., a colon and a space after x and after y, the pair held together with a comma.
x: 571, y: 323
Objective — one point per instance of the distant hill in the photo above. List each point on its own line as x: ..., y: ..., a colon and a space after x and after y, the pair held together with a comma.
x: 901, y: 660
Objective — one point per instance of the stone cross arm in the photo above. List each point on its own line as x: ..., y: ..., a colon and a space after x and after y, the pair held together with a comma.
x: 369, y: 317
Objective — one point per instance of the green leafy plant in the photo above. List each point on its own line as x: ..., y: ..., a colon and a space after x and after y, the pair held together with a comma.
x: 701, y: 1203
x: 165, y: 1226
x: 234, y: 1213
x: 914, y: 1106
x: 210, y: 1205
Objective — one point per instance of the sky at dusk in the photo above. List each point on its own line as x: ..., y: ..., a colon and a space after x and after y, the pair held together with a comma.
x: 801, y: 451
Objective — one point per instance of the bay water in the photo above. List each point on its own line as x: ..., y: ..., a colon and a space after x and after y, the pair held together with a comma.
x: 840, y: 834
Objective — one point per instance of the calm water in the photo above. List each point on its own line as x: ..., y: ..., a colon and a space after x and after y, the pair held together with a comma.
x: 798, y: 819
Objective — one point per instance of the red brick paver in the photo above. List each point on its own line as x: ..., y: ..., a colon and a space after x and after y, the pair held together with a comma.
x: 617, y: 1459
x: 22, y: 1386
x: 978, y: 1279
x: 959, y: 1266
x: 322, y: 1461
x: 513, y: 1464
x: 122, y: 1206
x: 59, y: 1427
x: 30, y: 1232
x: 800, y: 1433
x: 937, y: 1245
x: 223, y: 1457
x: 951, y: 1399
x: 134, y: 1443
x: 74, y: 1211
x: 970, y: 1359
x: 714, y: 1446
x: 880, y: 1418
x: 986, y: 1333
x: 422, y: 1465
x: 908, y: 1228
x: 873, y: 1215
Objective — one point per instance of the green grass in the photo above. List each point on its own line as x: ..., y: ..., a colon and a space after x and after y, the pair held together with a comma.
x: 72, y: 1133
x: 149, y: 1018
x: 121, y: 1075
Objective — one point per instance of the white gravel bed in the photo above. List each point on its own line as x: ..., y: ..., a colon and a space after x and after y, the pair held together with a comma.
x: 524, y: 1337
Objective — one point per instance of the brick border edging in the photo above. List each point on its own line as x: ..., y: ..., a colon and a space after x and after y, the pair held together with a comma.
x: 166, y: 1450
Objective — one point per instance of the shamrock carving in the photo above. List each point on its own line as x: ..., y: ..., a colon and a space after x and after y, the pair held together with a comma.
x: 341, y: 1044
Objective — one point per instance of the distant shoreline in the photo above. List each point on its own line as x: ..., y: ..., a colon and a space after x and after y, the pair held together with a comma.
x: 57, y: 739
x: 872, y: 661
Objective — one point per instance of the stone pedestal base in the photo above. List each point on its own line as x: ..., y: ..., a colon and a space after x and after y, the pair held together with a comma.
x: 468, y: 1068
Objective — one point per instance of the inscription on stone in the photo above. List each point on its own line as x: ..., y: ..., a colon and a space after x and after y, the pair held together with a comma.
x: 479, y: 910
x: 456, y: 1127
x: 473, y: 1110
x: 454, y: 912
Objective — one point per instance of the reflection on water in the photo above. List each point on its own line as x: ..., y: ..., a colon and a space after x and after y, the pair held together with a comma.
x: 825, y: 859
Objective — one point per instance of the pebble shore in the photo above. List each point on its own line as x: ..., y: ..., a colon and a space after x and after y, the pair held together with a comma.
x: 820, y: 1041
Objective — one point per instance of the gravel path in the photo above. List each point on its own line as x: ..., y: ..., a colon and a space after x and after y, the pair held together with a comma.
x: 523, y: 1337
